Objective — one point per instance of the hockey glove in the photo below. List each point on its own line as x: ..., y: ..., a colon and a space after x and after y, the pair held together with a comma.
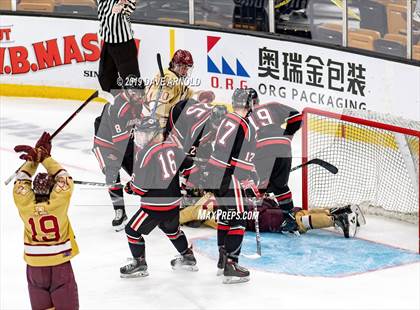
x: 43, y: 146
x: 128, y: 189
x: 206, y: 96
x: 251, y: 189
x: 289, y: 223
x: 30, y: 154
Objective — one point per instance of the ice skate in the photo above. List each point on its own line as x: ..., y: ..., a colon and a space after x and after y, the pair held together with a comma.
x: 186, y: 261
x: 119, y: 220
x: 341, y: 221
x: 136, y: 269
x: 222, y: 261
x: 233, y: 273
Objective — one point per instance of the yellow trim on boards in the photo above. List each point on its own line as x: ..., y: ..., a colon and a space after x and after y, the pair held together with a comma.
x: 171, y: 43
x: 52, y: 92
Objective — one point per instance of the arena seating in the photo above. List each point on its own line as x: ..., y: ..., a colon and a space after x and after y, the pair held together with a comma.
x: 36, y: 6
x: 6, y: 5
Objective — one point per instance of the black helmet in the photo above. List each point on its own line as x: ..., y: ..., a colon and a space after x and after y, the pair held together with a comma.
x: 245, y: 98
x: 134, y: 87
x: 217, y: 115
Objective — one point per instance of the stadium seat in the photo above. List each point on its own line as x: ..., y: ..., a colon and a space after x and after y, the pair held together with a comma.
x: 36, y: 6
x: 361, y: 40
x: 373, y: 15
x: 416, y: 52
x: 87, y: 7
x: 172, y: 20
x: 207, y: 23
x: 329, y: 33
x: 6, y: 5
x: 402, y: 39
x: 390, y: 47
x: 396, y: 20
x: 375, y: 34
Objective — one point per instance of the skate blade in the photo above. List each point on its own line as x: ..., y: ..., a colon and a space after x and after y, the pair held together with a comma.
x: 192, y: 268
x: 120, y: 227
x: 234, y: 280
x: 138, y: 274
x: 219, y: 272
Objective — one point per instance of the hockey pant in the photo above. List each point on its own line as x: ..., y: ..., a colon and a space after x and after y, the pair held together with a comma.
x: 143, y: 223
x: 313, y: 219
x: 230, y: 218
x: 204, y: 206
x: 117, y: 60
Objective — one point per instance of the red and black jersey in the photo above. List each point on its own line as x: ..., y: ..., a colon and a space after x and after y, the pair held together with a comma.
x: 114, y: 131
x: 187, y: 122
x: 279, y: 114
x: 234, y: 151
x: 156, y: 175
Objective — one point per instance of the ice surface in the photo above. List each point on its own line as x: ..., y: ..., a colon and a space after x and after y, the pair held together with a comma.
x: 103, y: 251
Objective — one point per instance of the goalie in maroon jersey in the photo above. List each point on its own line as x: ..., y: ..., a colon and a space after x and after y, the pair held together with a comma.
x: 114, y: 142
x: 229, y: 168
x: 156, y: 178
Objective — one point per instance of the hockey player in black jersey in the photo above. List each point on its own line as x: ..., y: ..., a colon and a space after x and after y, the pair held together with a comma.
x: 114, y: 144
x: 156, y: 178
x: 229, y: 168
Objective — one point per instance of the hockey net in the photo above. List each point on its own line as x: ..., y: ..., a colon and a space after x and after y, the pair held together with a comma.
x: 377, y: 157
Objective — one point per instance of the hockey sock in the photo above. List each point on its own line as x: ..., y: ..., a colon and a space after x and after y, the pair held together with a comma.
x: 137, y: 246
x: 179, y: 241
x: 222, y: 231
x: 233, y: 242
x: 117, y: 196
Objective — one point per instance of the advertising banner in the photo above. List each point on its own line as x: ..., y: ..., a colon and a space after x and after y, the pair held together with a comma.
x: 65, y: 52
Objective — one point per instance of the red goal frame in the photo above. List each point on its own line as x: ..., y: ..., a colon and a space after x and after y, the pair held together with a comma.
x: 351, y: 119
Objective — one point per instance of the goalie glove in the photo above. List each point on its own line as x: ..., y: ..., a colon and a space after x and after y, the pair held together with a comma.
x: 251, y: 189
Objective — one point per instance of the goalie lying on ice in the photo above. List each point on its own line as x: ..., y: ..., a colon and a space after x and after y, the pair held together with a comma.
x: 270, y: 219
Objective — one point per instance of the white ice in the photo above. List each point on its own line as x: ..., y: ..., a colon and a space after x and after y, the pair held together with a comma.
x: 103, y: 251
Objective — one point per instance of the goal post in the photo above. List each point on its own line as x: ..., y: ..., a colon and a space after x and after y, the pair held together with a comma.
x: 377, y: 156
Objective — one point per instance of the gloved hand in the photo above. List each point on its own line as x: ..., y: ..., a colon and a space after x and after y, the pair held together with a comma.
x: 43, y: 146
x: 206, y: 96
x: 30, y: 154
x: 251, y: 189
x: 289, y: 223
x: 111, y: 175
x: 128, y: 189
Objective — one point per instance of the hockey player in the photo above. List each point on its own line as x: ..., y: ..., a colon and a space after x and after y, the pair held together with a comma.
x: 228, y: 167
x: 114, y: 144
x: 270, y: 219
x: 48, y: 235
x: 156, y: 179
x: 165, y: 93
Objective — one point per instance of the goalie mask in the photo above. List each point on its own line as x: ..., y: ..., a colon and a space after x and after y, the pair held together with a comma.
x: 42, y: 184
x: 146, y: 131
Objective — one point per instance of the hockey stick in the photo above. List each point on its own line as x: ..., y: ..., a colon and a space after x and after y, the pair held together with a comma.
x: 256, y: 255
x: 159, y: 62
x: 326, y: 165
x: 90, y: 183
x: 93, y: 96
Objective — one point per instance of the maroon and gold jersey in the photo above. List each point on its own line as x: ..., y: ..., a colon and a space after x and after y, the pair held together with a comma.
x: 48, y: 236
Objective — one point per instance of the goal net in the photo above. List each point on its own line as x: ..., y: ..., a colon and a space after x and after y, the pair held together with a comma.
x: 377, y: 156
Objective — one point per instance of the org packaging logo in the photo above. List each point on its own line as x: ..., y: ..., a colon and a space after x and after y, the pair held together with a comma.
x: 215, y: 56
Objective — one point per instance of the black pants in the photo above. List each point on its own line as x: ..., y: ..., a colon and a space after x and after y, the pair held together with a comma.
x: 143, y: 223
x: 117, y: 58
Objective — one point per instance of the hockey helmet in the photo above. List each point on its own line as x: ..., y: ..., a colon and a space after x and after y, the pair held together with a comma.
x: 182, y: 62
x: 134, y: 88
x: 245, y: 98
x: 146, y: 130
x: 43, y: 184
x: 217, y: 115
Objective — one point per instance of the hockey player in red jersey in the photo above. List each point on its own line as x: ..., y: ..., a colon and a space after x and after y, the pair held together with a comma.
x: 156, y: 178
x: 229, y: 169
x: 114, y: 143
